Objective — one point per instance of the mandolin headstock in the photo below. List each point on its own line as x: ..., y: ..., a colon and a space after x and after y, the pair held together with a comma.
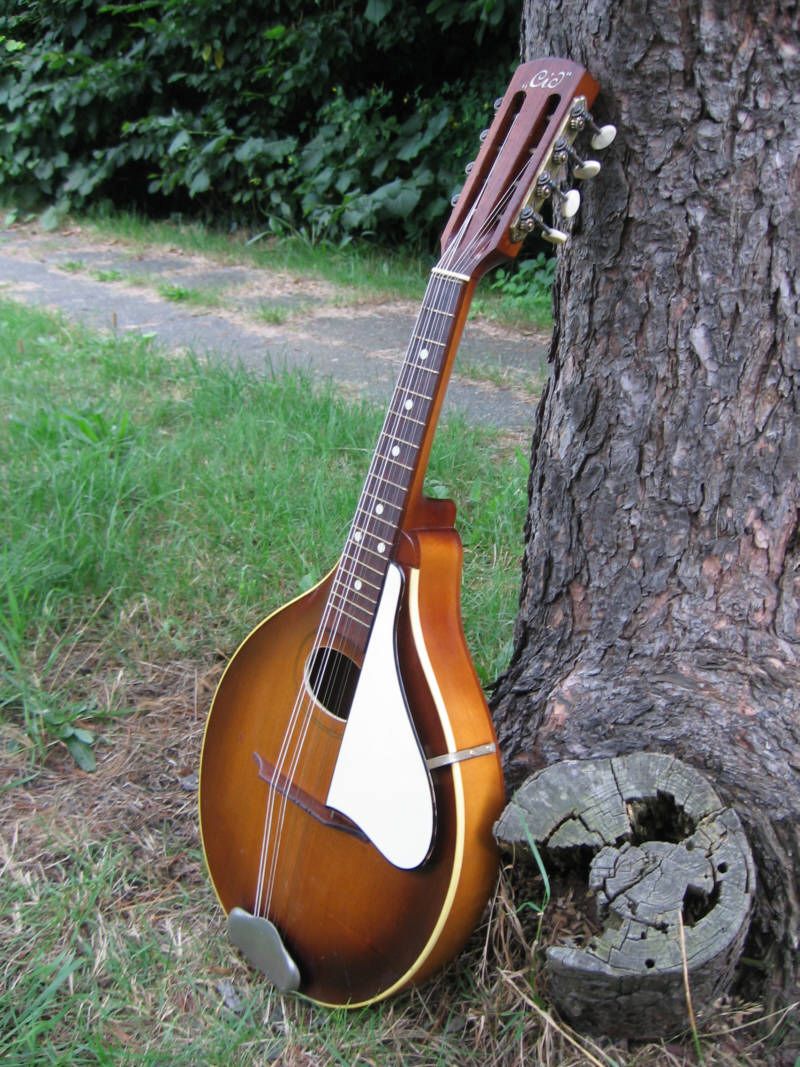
x: 520, y: 180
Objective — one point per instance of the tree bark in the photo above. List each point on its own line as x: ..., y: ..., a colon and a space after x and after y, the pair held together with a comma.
x: 659, y: 602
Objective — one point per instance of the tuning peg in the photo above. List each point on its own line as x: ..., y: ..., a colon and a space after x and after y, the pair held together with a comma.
x: 483, y: 135
x: 569, y: 202
x: 530, y: 220
x: 602, y: 136
x: 469, y: 166
x: 498, y: 102
x: 454, y: 198
x: 581, y: 168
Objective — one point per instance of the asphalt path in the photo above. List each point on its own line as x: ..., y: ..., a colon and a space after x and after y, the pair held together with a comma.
x: 313, y: 327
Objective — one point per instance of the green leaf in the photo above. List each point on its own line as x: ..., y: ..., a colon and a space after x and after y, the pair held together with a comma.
x: 377, y: 10
x: 182, y: 139
x: 81, y: 753
x: 52, y: 218
x: 86, y: 737
x: 397, y: 198
x: 200, y: 183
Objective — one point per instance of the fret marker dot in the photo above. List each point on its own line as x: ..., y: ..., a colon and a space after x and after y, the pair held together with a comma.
x: 379, y: 509
x: 357, y: 584
x: 409, y: 405
x: 396, y: 450
x: 357, y: 535
x: 381, y: 547
x: 424, y: 353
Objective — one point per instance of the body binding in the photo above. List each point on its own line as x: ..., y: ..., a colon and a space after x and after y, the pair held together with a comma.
x: 358, y: 927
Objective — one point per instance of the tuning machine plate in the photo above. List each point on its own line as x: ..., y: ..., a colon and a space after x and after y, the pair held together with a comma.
x: 562, y: 164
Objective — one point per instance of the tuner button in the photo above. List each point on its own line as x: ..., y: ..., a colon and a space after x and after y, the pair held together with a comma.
x: 530, y: 220
x: 579, y: 118
x: 454, y: 198
x: 469, y: 167
x: 604, y: 136
x: 587, y: 168
x: 483, y: 135
x: 581, y: 168
x: 570, y: 203
x: 555, y: 237
x: 498, y: 102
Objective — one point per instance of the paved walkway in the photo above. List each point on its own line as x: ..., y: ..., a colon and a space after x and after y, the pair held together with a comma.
x: 264, y: 319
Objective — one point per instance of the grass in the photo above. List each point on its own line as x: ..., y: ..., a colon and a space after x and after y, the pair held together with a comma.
x: 494, y: 372
x: 360, y: 268
x: 154, y: 508
x: 367, y: 268
x: 277, y: 315
x: 121, y: 490
x: 193, y: 296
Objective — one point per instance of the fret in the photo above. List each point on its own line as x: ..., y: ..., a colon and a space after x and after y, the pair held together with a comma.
x: 363, y: 563
x: 405, y: 415
x: 437, y: 311
x: 358, y: 578
x: 376, y: 551
x: 347, y: 592
x: 372, y: 517
x: 388, y: 481
x: 380, y: 502
x: 342, y: 611
x: 401, y: 441
x: 397, y: 463
x: 425, y: 370
x: 430, y: 341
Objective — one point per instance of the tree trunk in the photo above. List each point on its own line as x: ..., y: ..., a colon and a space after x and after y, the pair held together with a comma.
x: 659, y: 603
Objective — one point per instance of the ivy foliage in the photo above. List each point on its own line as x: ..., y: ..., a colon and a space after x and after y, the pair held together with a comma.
x: 335, y: 119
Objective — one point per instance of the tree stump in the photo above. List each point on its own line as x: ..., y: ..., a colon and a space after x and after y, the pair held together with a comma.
x: 673, y: 881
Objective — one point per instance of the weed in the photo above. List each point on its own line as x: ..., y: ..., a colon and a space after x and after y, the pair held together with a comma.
x: 182, y: 294
x: 274, y: 315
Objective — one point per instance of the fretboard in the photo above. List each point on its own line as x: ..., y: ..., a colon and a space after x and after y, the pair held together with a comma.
x: 359, y: 577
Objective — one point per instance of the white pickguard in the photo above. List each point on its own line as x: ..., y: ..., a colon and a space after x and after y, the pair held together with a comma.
x: 381, y: 780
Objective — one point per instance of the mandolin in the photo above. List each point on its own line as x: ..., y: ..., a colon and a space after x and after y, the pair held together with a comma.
x: 349, y: 775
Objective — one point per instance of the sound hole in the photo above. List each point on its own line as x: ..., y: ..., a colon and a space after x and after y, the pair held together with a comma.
x: 332, y: 678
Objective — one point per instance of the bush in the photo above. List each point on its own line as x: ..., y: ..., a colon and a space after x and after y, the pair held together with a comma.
x: 334, y: 118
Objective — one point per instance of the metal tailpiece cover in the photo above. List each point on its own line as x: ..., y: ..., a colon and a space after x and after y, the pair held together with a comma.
x: 262, y: 946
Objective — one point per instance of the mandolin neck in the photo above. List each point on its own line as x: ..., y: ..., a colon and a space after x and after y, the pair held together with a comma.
x: 398, y: 464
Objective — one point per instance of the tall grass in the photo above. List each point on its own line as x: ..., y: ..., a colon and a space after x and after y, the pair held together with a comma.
x: 368, y: 268
x: 207, y: 494
x: 519, y: 295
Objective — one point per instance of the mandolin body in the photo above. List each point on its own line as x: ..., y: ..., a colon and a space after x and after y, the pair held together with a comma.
x: 357, y: 926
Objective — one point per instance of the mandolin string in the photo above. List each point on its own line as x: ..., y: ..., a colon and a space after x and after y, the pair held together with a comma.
x: 331, y: 622
x: 425, y: 319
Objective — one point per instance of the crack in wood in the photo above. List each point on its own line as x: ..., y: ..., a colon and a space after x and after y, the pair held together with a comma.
x: 664, y: 848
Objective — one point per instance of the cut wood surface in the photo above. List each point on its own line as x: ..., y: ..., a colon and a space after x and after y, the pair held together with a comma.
x: 672, y: 879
